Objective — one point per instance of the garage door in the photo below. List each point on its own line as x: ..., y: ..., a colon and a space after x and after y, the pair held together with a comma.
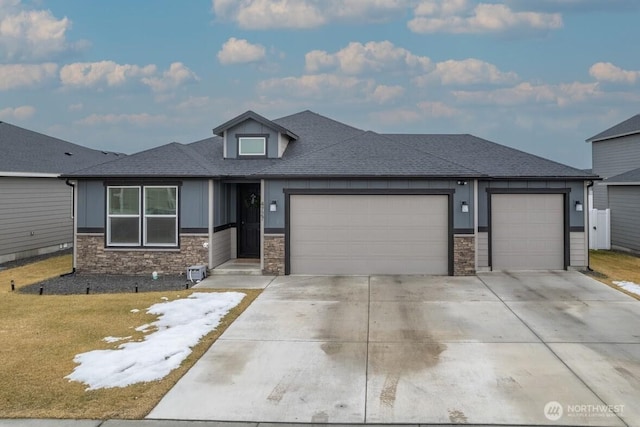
x: 368, y: 234
x: 527, y: 231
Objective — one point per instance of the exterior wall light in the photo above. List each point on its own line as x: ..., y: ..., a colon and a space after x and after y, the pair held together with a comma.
x: 465, y: 207
x: 462, y: 182
x: 578, y: 206
x: 273, y: 206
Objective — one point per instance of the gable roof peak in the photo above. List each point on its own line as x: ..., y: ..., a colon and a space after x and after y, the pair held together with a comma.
x: 251, y: 115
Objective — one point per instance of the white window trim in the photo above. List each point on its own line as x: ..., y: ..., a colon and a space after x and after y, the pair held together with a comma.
x: 175, y: 216
x: 264, y: 146
x: 109, y: 216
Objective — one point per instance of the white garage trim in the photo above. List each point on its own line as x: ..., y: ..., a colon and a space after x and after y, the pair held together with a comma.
x: 528, y: 229
x: 415, y: 240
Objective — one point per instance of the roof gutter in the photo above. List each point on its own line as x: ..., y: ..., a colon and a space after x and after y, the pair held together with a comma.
x: 29, y: 175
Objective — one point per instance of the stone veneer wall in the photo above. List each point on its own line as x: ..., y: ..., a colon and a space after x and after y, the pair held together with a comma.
x: 464, y: 255
x: 94, y: 258
x: 273, y: 254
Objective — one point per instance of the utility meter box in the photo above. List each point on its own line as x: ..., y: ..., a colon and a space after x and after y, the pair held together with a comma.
x: 196, y: 272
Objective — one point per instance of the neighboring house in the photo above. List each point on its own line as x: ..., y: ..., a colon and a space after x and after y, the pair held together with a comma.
x: 35, y: 205
x: 305, y: 194
x: 616, y: 159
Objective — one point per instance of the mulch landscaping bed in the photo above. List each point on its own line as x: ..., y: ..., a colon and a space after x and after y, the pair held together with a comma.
x: 105, y: 284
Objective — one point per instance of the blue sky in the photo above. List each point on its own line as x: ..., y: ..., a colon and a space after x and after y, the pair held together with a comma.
x: 122, y: 75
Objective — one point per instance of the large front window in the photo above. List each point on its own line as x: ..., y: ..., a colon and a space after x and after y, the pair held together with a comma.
x: 142, y: 216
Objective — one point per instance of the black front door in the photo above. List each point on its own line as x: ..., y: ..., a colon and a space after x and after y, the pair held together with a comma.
x: 249, y: 221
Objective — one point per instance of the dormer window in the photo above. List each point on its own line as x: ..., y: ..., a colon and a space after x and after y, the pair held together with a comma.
x: 252, y: 146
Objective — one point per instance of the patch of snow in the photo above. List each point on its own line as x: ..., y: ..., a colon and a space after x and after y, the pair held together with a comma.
x: 164, y: 299
x: 143, y: 327
x: 180, y: 326
x: 135, y: 310
x: 115, y: 339
x: 634, y: 288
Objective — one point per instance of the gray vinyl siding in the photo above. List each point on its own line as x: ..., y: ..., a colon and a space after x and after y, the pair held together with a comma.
x: 483, y: 249
x: 611, y: 158
x: 274, y: 192
x: 221, y: 247
x: 624, y: 202
x: 577, y: 250
x: 251, y: 127
x: 194, y: 200
x: 91, y: 204
x: 224, y: 206
x: 42, y: 206
x: 576, y: 219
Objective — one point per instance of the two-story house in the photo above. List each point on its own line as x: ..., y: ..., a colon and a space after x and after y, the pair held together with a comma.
x: 616, y: 159
x: 305, y: 194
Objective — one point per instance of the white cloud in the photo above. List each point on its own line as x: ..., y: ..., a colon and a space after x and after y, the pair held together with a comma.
x: 15, y: 76
x: 319, y: 86
x: 240, y: 51
x: 18, y: 113
x: 527, y: 93
x: 90, y: 74
x: 27, y: 35
x: 437, y: 109
x: 607, y: 72
x: 177, y: 75
x: 194, y: 102
x: 459, y: 16
x: 466, y: 72
x: 383, y: 94
x: 76, y: 107
x: 142, y: 119
x: 357, y: 58
x: 304, y: 14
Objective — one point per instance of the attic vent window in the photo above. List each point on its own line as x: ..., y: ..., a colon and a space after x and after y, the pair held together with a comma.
x: 68, y: 153
x: 252, y: 146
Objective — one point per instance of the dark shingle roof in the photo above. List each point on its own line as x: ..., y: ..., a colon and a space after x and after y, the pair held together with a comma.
x: 627, y: 177
x: 327, y: 148
x: 25, y: 151
x: 488, y: 158
x: 628, y: 127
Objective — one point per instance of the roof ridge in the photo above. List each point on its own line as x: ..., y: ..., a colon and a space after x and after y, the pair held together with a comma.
x: 195, y: 157
x: 319, y: 115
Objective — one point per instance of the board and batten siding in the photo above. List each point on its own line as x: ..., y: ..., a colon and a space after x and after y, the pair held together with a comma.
x: 36, y: 216
x: 610, y: 158
x: 624, y: 201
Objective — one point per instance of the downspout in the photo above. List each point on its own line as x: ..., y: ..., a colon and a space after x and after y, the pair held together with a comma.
x: 587, y: 211
x: 75, y: 228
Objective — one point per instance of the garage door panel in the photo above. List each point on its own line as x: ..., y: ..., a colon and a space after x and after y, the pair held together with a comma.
x: 527, y: 231
x: 368, y: 234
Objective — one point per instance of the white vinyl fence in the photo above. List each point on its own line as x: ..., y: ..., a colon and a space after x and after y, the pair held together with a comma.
x: 599, y: 229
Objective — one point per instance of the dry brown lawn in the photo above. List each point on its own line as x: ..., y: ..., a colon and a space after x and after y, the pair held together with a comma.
x: 616, y: 266
x: 40, y: 335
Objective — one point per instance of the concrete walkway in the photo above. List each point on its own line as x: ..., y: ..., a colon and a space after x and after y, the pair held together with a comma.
x: 526, y: 348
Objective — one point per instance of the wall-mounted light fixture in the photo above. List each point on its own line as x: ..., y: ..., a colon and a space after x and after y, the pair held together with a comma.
x: 273, y: 206
x: 578, y: 206
x: 462, y: 182
x: 465, y: 207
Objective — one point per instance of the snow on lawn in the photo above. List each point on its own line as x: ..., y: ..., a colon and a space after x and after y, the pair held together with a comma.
x: 181, y: 324
x: 629, y: 286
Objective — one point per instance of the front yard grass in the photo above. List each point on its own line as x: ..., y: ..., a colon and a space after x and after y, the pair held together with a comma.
x: 616, y: 266
x: 40, y: 336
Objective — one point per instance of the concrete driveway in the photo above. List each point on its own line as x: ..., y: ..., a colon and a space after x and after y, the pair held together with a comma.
x: 492, y: 349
